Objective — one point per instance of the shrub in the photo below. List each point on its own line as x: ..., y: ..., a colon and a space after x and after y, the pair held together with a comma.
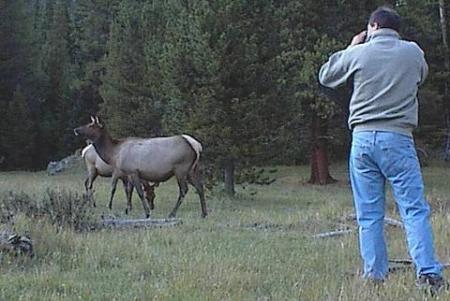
x: 64, y: 209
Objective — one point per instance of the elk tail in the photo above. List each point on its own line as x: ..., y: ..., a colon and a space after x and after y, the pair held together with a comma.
x: 196, y: 146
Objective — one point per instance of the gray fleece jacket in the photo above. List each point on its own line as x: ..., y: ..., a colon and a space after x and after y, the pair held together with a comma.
x: 386, y: 73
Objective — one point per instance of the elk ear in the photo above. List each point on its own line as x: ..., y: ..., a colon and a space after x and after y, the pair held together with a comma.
x: 92, y: 119
x: 98, y: 122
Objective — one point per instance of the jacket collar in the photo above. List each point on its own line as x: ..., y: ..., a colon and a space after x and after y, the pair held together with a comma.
x: 384, y: 32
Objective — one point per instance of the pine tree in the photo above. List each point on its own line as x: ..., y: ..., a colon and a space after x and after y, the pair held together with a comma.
x: 225, y: 69
x: 241, y: 76
x: 57, y: 67
x: 129, y: 104
x: 305, y: 48
x: 17, y: 61
x: 19, y: 137
x: 92, y: 27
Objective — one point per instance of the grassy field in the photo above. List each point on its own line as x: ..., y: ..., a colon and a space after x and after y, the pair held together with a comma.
x: 256, y: 246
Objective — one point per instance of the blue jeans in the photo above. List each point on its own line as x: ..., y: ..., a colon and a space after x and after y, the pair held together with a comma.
x: 377, y: 156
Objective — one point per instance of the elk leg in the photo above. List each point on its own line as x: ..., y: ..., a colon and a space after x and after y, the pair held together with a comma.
x: 88, y: 183
x: 128, y: 186
x: 183, y: 187
x: 195, y: 180
x: 149, y: 194
x: 113, y: 190
x: 137, y: 184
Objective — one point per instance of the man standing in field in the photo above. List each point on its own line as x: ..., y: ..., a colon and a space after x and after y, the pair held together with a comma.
x: 386, y: 73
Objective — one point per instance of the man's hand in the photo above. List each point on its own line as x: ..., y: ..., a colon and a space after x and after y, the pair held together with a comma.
x: 359, y: 38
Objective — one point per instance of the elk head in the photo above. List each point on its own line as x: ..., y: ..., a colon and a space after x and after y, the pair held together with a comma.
x: 92, y: 131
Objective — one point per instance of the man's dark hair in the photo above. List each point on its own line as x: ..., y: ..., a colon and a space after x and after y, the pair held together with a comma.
x: 385, y: 17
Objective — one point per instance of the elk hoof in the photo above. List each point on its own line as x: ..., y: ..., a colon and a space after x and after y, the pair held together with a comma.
x: 204, y: 215
x: 172, y: 215
x: 126, y: 211
x: 147, y: 215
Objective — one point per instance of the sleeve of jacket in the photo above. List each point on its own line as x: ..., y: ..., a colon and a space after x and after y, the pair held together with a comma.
x: 424, y: 71
x: 336, y: 71
x: 421, y: 61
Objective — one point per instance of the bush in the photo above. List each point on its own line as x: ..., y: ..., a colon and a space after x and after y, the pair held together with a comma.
x: 64, y: 209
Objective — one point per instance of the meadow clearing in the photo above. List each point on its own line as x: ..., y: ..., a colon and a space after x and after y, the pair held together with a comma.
x: 256, y: 246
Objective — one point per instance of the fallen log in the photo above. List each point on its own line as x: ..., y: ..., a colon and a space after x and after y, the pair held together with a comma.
x: 401, y: 261
x: 393, y: 222
x: 409, y: 262
x: 139, y: 223
x: 387, y: 220
x: 332, y: 233
x: 352, y: 217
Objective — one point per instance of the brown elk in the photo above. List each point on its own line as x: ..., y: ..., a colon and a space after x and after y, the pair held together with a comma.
x: 149, y: 159
x: 95, y: 167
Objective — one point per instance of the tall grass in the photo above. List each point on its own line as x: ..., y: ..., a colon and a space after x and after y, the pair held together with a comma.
x: 256, y: 246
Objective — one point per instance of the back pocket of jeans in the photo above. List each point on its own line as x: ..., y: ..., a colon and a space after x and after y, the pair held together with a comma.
x: 360, y: 155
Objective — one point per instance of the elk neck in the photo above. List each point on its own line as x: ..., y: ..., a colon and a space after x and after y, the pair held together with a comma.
x: 105, y: 147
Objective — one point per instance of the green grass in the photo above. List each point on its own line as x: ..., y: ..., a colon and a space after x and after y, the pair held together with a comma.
x: 256, y: 246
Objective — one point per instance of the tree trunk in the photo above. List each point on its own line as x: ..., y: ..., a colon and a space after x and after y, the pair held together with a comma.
x: 229, y: 176
x: 320, y: 173
x: 443, y: 22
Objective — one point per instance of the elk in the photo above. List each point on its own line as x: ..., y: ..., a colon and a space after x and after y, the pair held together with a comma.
x: 149, y: 159
x: 95, y: 167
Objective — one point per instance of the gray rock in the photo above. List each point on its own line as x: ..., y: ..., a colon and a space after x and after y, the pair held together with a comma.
x: 17, y: 244
x: 55, y: 167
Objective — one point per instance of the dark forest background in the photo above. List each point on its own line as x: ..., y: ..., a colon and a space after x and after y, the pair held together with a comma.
x: 241, y: 76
